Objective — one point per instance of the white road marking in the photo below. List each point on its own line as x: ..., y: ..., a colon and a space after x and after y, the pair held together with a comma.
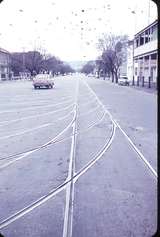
x: 90, y: 111
x: 38, y: 148
x: 52, y: 193
x: 87, y: 103
x: 31, y: 207
x: 132, y: 144
x: 34, y: 116
x: 61, y: 187
x: 68, y: 217
x: 36, y: 128
x: 34, y: 107
x: 98, y: 156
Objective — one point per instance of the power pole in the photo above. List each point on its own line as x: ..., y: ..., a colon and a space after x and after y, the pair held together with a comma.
x: 24, y: 61
x: 149, y: 11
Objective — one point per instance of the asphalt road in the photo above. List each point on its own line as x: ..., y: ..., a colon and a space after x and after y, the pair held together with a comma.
x: 77, y: 160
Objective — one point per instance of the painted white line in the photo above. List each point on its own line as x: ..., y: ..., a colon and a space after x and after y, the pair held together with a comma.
x: 87, y: 103
x: 4, y: 123
x: 91, y: 125
x: 132, y: 144
x: 36, y: 128
x: 32, y: 100
x: 31, y: 207
x: 25, y: 131
x: 68, y: 216
x: 138, y: 151
x: 98, y: 156
x: 53, y: 140
x: 67, y: 227
x: 61, y: 187
x: 34, y: 107
x: 90, y: 111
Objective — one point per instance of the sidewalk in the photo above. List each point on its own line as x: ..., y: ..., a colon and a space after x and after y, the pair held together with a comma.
x: 152, y: 90
x: 146, y: 89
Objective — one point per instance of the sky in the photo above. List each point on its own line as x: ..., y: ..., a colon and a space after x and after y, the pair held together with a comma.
x: 69, y: 29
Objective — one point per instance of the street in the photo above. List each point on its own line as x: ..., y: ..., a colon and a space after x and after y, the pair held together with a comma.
x: 77, y: 160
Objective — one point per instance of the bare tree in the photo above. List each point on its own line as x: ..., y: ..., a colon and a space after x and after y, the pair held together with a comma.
x: 113, y: 53
x: 88, y: 67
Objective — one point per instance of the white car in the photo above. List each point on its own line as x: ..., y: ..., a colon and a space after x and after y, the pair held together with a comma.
x: 123, y: 81
x: 43, y: 81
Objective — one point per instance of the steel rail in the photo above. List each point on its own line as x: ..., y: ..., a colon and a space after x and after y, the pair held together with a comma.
x: 55, y: 141
x: 35, y: 107
x: 138, y: 152
x: 36, y: 128
x: 24, y: 154
x: 37, y: 101
x: 4, y: 123
x: 90, y: 111
x: 61, y: 187
x: 68, y: 216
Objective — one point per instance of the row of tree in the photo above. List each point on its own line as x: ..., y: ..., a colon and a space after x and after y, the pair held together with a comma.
x: 113, y: 52
x: 35, y: 62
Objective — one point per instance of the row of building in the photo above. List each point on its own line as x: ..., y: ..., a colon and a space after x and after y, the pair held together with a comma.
x: 141, y: 64
x: 142, y: 57
x: 5, y: 72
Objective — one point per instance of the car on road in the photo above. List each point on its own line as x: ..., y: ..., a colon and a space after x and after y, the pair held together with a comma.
x: 123, y: 81
x: 43, y: 81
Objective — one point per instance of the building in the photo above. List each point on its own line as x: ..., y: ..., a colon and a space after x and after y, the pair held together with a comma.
x: 130, y: 51
x: 123, y: 66
x: 145, y: 55
x: 4, y: 64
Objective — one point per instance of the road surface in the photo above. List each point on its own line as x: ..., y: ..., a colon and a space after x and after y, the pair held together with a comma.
x: 77, y: 160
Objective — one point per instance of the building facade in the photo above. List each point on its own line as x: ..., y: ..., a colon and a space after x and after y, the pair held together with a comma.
x: 130, y: 63
x: 145, y: 55
x: 4, y: 64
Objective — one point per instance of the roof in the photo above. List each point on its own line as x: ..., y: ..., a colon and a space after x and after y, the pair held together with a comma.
x: 4, y: 51
x: 147, y: 27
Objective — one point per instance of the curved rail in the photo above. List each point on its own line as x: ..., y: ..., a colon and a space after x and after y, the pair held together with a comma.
x: 62, y: 186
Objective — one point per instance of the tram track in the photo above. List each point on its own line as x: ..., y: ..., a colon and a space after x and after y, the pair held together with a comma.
x: 35, y: 107
x: 46, y: 124
x: 62, y: 186
x: 4, y: 123
x: 36, y: 128
x: 49, y: 143
x: 138, y: 152
x: 74, y: 176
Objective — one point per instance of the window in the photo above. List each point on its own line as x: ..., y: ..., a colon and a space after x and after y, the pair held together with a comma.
x: 146, y: 36
x: 141, y: 39
x: 136, y: 71
x: 154, y: 35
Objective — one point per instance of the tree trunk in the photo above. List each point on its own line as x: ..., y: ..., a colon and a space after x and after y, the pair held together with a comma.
x: 104, y: 75
x: 116, y: 75
x: 112, y: 77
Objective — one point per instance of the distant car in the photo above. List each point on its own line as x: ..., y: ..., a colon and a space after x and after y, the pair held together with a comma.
x: 43, y: 81
x: 123, y: 81
x: 90, y: 75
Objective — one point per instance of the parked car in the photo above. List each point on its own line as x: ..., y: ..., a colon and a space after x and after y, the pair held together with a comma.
x: 123, y: 81
x: 43, y: 81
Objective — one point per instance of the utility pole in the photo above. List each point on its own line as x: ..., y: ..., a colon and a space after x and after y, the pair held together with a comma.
x: 24, y: 62
x: 149, y: 11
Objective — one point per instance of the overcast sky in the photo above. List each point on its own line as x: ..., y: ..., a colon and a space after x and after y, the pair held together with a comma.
x: 69, y: 29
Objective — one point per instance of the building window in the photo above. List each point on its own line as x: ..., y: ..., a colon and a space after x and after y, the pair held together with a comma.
x: 136, y: 71
x: 146, y: 36
x: 154, y: 56
x: 136, y: 42
x: 154, y: 35
x: 141, y: 39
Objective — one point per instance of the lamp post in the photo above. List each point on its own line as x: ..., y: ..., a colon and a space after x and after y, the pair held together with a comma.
x: 133, y: 76
x: 24, y: 62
